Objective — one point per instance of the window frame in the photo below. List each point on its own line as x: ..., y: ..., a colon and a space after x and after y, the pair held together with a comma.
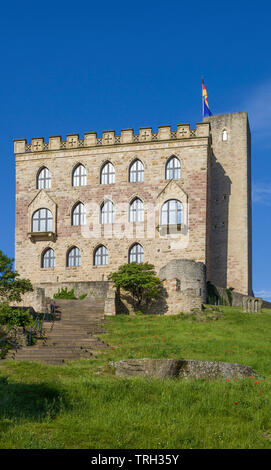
x: 137, y: 214
x: 41, y: 180
x: 100, y: 253
x: 173, y: 168
x: 177, y: 210
x: 81, y: 214
x: 137, y: 254
x: 107, y: 216
x: 106, y: 175
x: 73, y: 254
x: 51, y: 259
x: 80, y: 178
x: 39, y: 220
x: 138, y: 172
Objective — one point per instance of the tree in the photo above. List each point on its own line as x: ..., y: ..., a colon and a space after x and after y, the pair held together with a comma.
x: 138, y: 279
x: 11, y: 290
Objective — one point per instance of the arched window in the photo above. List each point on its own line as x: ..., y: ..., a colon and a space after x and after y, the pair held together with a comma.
x: 101, y: 256
x: 44, y: 179
x: 42, y: 221
x: 74, y: 257
x: 224, y: 135
x: 107, y: 212
x: 79, y: 214
x: 172, y: 212
x: 136, y: 254
x: 108, y: 174
x: 173, y: 169
x: 48, y: 259
x: 136, y: 172
x: 136, y: 212
x: 79, y: 176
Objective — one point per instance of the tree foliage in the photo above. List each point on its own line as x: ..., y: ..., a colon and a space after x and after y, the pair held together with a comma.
x: 138, y: 279
x: 12, y: 287
x: 14, y: 316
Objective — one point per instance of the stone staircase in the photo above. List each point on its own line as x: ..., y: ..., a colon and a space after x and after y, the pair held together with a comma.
x: 70, y: 338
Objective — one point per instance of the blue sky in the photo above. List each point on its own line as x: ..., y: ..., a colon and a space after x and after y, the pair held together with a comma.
x: 75, y: 67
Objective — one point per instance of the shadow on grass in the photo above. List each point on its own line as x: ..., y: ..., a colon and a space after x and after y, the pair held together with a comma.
x: 34, y: 402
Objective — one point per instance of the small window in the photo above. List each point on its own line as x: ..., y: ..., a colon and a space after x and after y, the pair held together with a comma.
x: 44, y: 179
x: 224, y: 136
x: 74, y: 257
x: 172, y: 212
x: 48, y: 259
x: 79, y: 214
x: 79, y: 176
x: 136, y: 212
x: 136, y: 173
x: 108, y: 174
x: 107, y: 212
x: 101, y: 256
x: 173, y: 169
x: 42, y: 221
x: 136, y: 254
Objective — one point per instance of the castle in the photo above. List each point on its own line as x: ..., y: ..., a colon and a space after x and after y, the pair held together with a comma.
x: 179, y: 199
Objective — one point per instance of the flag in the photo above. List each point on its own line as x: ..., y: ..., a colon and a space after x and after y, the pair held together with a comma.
x: 206, y: 109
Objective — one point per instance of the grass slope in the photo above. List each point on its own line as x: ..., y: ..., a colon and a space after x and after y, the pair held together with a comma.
x: 83, y: 405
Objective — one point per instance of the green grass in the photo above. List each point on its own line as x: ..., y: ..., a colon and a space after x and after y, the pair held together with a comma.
x: 83, y: 405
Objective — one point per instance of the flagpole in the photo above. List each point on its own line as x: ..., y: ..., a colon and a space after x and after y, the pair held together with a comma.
x: 202, y: 98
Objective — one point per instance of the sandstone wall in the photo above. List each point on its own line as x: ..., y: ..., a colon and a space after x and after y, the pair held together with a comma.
x: 229, y: 257
x: 191, y: 189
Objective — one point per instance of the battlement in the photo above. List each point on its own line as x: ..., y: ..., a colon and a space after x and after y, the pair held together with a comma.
x: 109, y: 138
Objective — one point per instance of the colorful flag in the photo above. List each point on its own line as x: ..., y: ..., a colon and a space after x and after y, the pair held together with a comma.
x: 206, y: 110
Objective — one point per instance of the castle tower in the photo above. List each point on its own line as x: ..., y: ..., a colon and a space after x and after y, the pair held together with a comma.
x: 229, y: 252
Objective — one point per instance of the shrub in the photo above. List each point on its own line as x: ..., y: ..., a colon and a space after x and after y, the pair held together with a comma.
x: 14, y: 316
x: 11, y: 290
x: 138, y: 279
x: 82, y: 296
x: 63, y: 293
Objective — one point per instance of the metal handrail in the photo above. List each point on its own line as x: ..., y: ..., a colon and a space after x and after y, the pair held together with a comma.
x: 36, y: 326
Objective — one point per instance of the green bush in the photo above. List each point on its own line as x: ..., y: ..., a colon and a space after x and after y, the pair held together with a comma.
x: 82, y: 296
x: 139, y: 280
x: 63, y: 293
x: 14, y: 316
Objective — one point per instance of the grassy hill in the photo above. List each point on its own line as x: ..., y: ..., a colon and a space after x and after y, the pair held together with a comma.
x: 83, y: 405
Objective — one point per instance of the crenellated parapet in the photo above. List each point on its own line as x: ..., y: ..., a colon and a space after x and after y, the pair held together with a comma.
x: 109, y: 138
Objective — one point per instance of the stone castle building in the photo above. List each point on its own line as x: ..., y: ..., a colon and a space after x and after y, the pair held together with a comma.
x: 179, y: 199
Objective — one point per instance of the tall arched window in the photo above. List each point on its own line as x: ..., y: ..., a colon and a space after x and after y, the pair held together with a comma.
x: 79, y: 176
x: 173, y: 169
x: 108, y: 174
x: 136, y: 211
x: 136, y: 254
x: 101, y: 256
x: 44, y: 179
x: 79, y: 214
x: 136, y: 172
x: 107, y: 212
x: 42, y: 221
x: 172, y: 212
x: 48, y: 259
x: 74, y: 257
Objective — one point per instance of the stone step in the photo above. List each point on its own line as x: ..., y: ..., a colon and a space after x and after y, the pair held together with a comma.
x: 52, y: 341
x: 69, y: 338
x: 62, y: 355
x: 60, y: 348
